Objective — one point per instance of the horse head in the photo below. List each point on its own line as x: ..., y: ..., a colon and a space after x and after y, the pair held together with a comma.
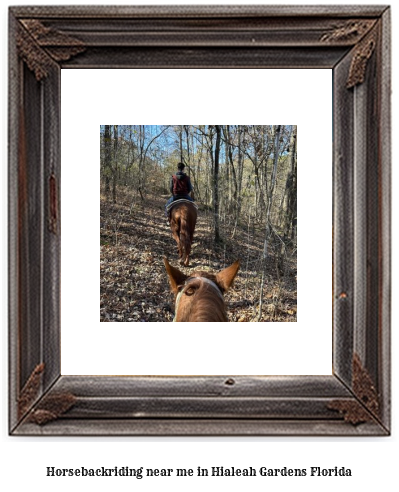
x: 199, y: 296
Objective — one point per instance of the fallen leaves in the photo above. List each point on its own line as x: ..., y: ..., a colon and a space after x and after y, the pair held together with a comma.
x: 133, y: 281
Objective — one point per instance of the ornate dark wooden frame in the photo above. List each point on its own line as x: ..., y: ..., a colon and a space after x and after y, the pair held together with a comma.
x: 353, y: 41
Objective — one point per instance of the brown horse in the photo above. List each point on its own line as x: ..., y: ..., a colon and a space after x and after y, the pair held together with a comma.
x: 183, y: 217
x: 199, y: 297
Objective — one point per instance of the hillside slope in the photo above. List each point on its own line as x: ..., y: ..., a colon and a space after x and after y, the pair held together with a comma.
x: 133, y: 282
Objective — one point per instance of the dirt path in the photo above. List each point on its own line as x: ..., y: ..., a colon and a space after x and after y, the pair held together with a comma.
x: 134, y: 284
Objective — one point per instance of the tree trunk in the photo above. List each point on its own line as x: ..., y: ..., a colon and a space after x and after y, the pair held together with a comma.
x: 181, y: 143
x: 115, y: 165
x: 291, y: 190
x: 270, y: 193
x: 107, y: 157
x: 216, y: 184
x: 232, y: 175
x: 240, y: 173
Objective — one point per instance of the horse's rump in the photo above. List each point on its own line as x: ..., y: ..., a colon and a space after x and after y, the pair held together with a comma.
x: 180, y: 201
x: 183, y: 217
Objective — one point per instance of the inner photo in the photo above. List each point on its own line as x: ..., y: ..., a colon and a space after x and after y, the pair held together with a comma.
x: 198, y: 223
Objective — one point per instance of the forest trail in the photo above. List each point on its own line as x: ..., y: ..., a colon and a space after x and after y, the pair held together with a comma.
x: 133, y: 282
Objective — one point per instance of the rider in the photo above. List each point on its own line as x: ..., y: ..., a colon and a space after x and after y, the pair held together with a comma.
x: 180, y: 186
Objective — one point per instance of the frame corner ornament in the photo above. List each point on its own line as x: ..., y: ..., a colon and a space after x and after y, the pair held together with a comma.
x: 367, y: 405
x: 362, y: 54
x: 352, y: 30
x: 51, y: 408
x: 39, y: 46
x: 30, y: 391
x: 364, y: 387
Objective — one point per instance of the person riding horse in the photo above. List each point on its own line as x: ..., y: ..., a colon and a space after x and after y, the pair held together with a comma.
x: 180, y: 186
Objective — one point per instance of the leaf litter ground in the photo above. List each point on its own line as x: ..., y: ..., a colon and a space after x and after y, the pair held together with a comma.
x: 133, y: 282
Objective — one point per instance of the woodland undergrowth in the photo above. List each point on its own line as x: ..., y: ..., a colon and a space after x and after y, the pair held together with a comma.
x: 134, y: 238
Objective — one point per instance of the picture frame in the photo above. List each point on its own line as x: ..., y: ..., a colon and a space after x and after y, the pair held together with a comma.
x: 352, y: 41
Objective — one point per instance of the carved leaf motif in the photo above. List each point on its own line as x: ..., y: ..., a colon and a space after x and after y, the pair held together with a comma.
x: 38, y: 45
x: 359, y: 61
x: 52, y: 407
x: 363, y: 386
x: 364, y: 389
x: 31, y: 390
x: 49, y: 38
x: 35, y: 58
x: 350, y: 31
x: 63, y: 54
x: 352, y: 411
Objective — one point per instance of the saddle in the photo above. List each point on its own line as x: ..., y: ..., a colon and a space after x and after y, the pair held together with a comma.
x: 180, y: 200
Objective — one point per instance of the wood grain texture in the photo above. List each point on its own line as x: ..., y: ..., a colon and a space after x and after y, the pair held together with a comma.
x: 30, y: 199
x: 203, y: 386
x: 197, y: 37
x: 51, y: 245
x: 212, y: 57
x: 384, y: 118
x: 206, y: 11
x: 249, y: 32
x: 360, y: 332
x: 14, y: 94
x: 344, y: 200
x: 199, y: 427
x: 373, y: 240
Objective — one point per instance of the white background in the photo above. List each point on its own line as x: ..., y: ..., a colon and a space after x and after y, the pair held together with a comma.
x: 91, y: 347
x: 373, y: 460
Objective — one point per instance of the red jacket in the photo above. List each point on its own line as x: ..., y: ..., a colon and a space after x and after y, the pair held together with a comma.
x: 180, y: 184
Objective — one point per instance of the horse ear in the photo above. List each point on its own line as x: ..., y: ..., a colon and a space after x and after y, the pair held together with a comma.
x: 226, y: 277
x: 176, y: 277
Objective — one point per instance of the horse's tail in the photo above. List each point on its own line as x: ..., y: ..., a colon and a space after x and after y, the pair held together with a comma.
x: 185, y: 237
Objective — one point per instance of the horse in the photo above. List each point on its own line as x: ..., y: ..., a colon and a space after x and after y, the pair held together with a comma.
x: 199, y: 297
x: 183, y: 217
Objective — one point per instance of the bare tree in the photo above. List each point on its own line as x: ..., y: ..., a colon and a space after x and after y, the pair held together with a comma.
x: 107, y: 158
x: 216, y: 183
x: 291, y: 190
